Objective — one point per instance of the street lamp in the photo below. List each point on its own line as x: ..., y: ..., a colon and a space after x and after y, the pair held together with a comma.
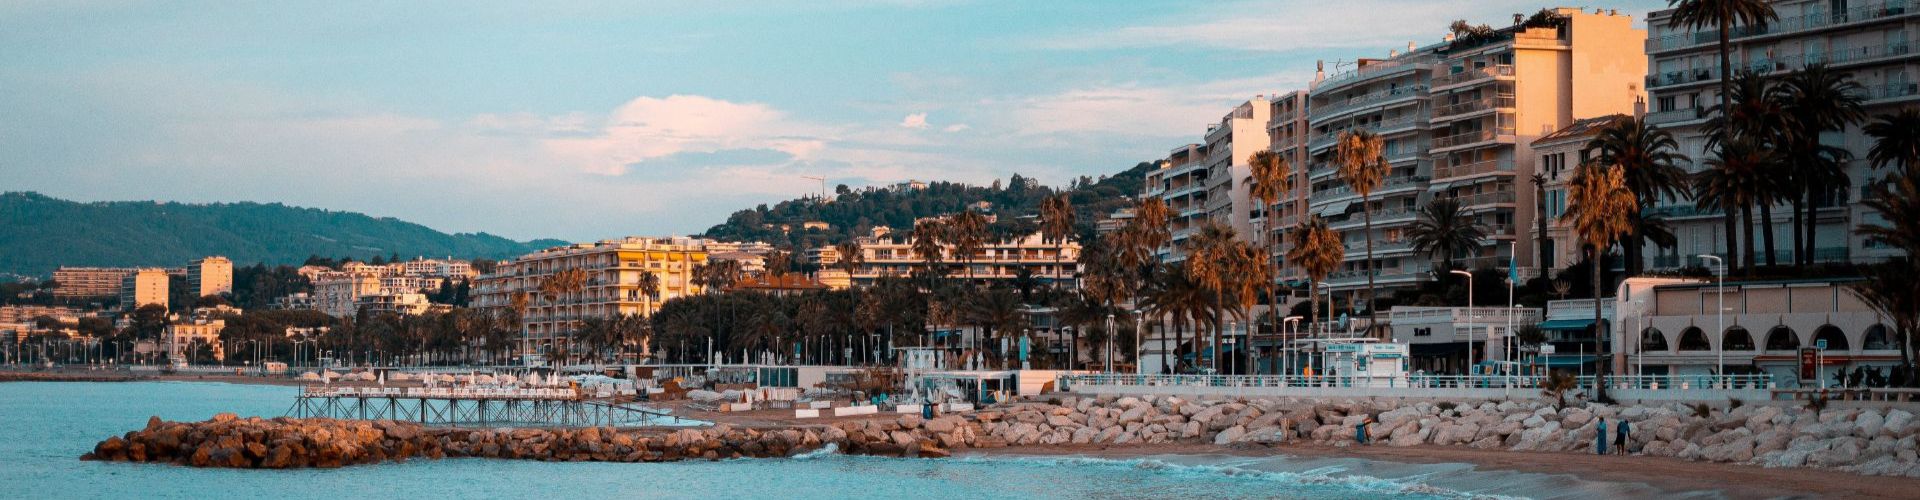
x: 1469, y: 316
x: 1110, y: 344
x: 1290, y: 327
x: 1720, y: 271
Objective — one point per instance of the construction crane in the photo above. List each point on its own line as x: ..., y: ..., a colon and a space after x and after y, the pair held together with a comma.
x: 823, y: 186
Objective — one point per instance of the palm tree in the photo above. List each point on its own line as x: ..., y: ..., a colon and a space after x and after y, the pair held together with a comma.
x: 1175, y: 296
x: 967, y: 233
x: 1722, y: 15
x: 1540, y: 217
x: 1318, y: 251
x: 997, y: 312
x: 649, y: 285
x: 851, y: 257
x: 1896, y: 140
x: 1752, y: 113
x: 1444, y: 230
x: 1600, y: 207
x: 778, y: 263
x: 1897, y: 201
x: 516, y: 318
x: 560, y: 284
x: 1210, y: 263
x: 1056, y: 223
x: 1272, y: 178
x: 1646, y: 157
x: 1735, y: 180
x: 1892, y: 288
x: 1141, y: 241
x: 1363, y: 166
x: 1817, y: 99
x: 926, y: 245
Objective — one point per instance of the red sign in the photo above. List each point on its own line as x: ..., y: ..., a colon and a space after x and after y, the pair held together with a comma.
x: 1809, y: 358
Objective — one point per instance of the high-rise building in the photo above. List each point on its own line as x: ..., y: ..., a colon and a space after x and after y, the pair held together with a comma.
x: 1230, y: 143
x: 1180, y: 181
x: 142, y: 287
x: 89, y: 282
x: 338, y: 293
x: 1869, y: 41
x: 1458, y: 119
x: 612, y: 285
x: 210, y: 276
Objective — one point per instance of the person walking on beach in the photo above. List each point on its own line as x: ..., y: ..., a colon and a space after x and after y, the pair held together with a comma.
x: 1624, y: 430
x: 1600, y: 439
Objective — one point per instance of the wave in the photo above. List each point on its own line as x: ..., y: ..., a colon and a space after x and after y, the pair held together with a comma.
x: 1245, y: 469
x: 829, y: 450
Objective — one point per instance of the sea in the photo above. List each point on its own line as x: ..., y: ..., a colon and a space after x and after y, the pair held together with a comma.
x: 48, y: 425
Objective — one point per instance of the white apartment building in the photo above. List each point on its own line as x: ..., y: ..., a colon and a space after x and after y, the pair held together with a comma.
x: 1229, y: 144
x: 86, y: 282
x: 1181, y: 182
x: 612, y: 287
x: 1869, y: 40
x: 1047, y: 262
x: 338, y: 293
x: 210, y: 276
x: 142, y: 287
x: 1458, y: 119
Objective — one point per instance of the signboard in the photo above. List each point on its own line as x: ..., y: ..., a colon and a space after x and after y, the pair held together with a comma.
x: 1809, y: 361
x: 1546, y: 348
x: 1820, y: 344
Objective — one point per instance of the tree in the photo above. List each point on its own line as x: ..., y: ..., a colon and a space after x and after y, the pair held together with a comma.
x: 1892, y: 289
x: 649, y: 285
x: 1363, y: 166
x: 560, y: 284
x: 997, y: 312
x: 1318, y: 251
x: 1556, y: 385
x: 1646, y: 158
x: 1056, y: 222
x: 851, y: 257
x: 1721, y: 15
x: 1540, y: 218
x: 1752, y: 113
x: 1896, y: 141
x: 1735, y: 181
x: 1817, y: 99
x: 967, y: 234
x: 1175, y: 296
x: 1599, y: 207
x: 1272, y: 179
x: 1443, y: 230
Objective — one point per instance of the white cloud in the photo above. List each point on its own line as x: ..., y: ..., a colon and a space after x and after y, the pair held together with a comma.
x: 1142, y: 110
x: 957, y: 127
x: 914, y: 121
x: 649, y: 128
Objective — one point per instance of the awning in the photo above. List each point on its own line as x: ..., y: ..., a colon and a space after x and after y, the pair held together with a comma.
x: 1566, y: 324
x: 1436, y: 349
x: 1336, y: 208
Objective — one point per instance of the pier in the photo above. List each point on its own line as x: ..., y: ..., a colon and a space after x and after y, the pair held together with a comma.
x: 475, y: 406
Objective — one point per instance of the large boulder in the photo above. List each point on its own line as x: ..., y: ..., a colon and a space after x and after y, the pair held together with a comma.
x: 1229, y: 435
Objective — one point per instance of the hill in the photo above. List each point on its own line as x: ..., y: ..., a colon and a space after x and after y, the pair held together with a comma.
x: 39, y: 233
x: 853, y: 212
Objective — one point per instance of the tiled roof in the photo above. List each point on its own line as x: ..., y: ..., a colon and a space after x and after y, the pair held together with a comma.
x: 1579, y: 128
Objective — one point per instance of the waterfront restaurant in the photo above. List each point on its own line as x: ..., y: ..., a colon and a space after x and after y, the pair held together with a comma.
x: 1766, y: 324
x: 1449, y: 339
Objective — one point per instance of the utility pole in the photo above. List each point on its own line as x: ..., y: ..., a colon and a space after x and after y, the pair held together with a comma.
x: 823, y: 186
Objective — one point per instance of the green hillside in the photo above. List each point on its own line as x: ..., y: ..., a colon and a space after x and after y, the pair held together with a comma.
x: 853, y: 212
x: 39, y: 233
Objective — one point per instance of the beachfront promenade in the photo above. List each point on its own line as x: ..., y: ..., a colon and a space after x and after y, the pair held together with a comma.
x: 1636, y: 388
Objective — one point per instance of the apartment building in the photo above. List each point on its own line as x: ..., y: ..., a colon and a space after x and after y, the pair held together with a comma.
x: 1230, y: 143
x: 1871, y: 41
x: 612, y: 287
x: 210, y: 276
x: 89, y: 282
x: 1287, y: 133
x: 338, y: 293
x: 1763, y: 329
x: 1555, y: 157
x: 1048, y: 262
x: 1458, y: 119
x: 1181, y: 182
x: 142, y: 287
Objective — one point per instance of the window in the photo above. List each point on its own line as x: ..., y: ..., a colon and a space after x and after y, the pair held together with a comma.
x: 1664, y: 103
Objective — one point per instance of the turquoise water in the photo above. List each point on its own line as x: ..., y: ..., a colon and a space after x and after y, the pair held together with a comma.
x: 51, y: 424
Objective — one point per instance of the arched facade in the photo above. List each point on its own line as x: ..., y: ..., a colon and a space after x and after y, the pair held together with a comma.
x: 1653, y: 340
x: 1878, y: 337
x: 1736, y: 339
x: 1782, y: 338
x: 1692, y: 339
x: 1836, y: 341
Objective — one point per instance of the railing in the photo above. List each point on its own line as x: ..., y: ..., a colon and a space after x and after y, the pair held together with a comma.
x: 1475, y: 168
x: 1068, y: 382
x: 1787, y: 24
x: 1473, y: 74
x: 1380, y: 246
x: 1892, y: 91
x: 1344, y: 190
x: 1366, y: 99
x: 1472, y: 137
x: 1481, y: 104
x: 1367, y: 71
x: 313, y: 391
x: 1672, y: 78
x: 1676, y: 115
x: 1474, y: 200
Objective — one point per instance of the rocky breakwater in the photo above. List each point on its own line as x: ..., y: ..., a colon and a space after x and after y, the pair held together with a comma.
x: 1867, y: 441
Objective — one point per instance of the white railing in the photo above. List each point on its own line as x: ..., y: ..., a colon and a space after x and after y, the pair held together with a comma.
x: 1473, y: 74
x: 321, y: 391
x: 1067, y: 382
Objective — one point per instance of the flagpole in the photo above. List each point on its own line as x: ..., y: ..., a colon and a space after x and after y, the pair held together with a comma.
x: 1513, y: 276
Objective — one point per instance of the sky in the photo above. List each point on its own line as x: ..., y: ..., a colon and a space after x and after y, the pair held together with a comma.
x: 585, y: 120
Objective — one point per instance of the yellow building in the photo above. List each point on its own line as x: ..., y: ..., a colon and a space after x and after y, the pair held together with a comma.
x: 142, y: 287
x: 613, y: 269
x: 210, y: 276
x: 996, y: 261
x: 180, y: 337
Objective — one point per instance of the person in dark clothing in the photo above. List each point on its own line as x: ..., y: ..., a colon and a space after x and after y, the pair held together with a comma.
x: 1360, y: 431
x: 1623, y: 431
x: 1600, y: 438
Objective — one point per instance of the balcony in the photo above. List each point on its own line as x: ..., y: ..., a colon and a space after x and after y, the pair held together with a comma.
x: 1503, y: 101
x: 1892, y: 91
x: 1343, y: 191
x: 1676, y: 115
x: 1475, y: 168
x: 1382, y: 127
x: 1472, y: 75
x: 1494, y: 198
x: 1672, y: 78
x: 1376, y: 97
x: 1843, y: 57
x: 1458, y: 140
x: 1368, y: 72
x: 1787, y: 25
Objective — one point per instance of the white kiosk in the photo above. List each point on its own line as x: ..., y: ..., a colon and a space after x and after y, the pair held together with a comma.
x: 1364, y: 362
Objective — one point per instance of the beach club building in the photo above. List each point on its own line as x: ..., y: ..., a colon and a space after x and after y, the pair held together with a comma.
x: 1766, y: 325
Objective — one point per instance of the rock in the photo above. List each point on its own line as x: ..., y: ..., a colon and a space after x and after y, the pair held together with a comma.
x: 1229, y: 435
x: 1897, y: 422
x: 1868, y: 424
x: 225, y: 417
x: 945, y: 423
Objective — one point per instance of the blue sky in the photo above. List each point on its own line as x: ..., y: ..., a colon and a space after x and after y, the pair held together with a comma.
x: 584, y: 120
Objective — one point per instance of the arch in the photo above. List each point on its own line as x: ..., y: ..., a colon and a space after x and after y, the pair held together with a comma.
x: 1653, y: 340
x: 1782, y: 338
x: 1692, y: 339
x: 1876, y: 338
x: 1836, y: 341
x: 1736, y: 339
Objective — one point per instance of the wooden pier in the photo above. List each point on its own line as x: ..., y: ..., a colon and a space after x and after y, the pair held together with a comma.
x: 546, y: 407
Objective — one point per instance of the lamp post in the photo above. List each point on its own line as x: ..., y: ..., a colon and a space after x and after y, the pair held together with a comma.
x: 1720, y: 352
x: 1109, y: 355
x: 1469, y: 316
x: 1291, y: 327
